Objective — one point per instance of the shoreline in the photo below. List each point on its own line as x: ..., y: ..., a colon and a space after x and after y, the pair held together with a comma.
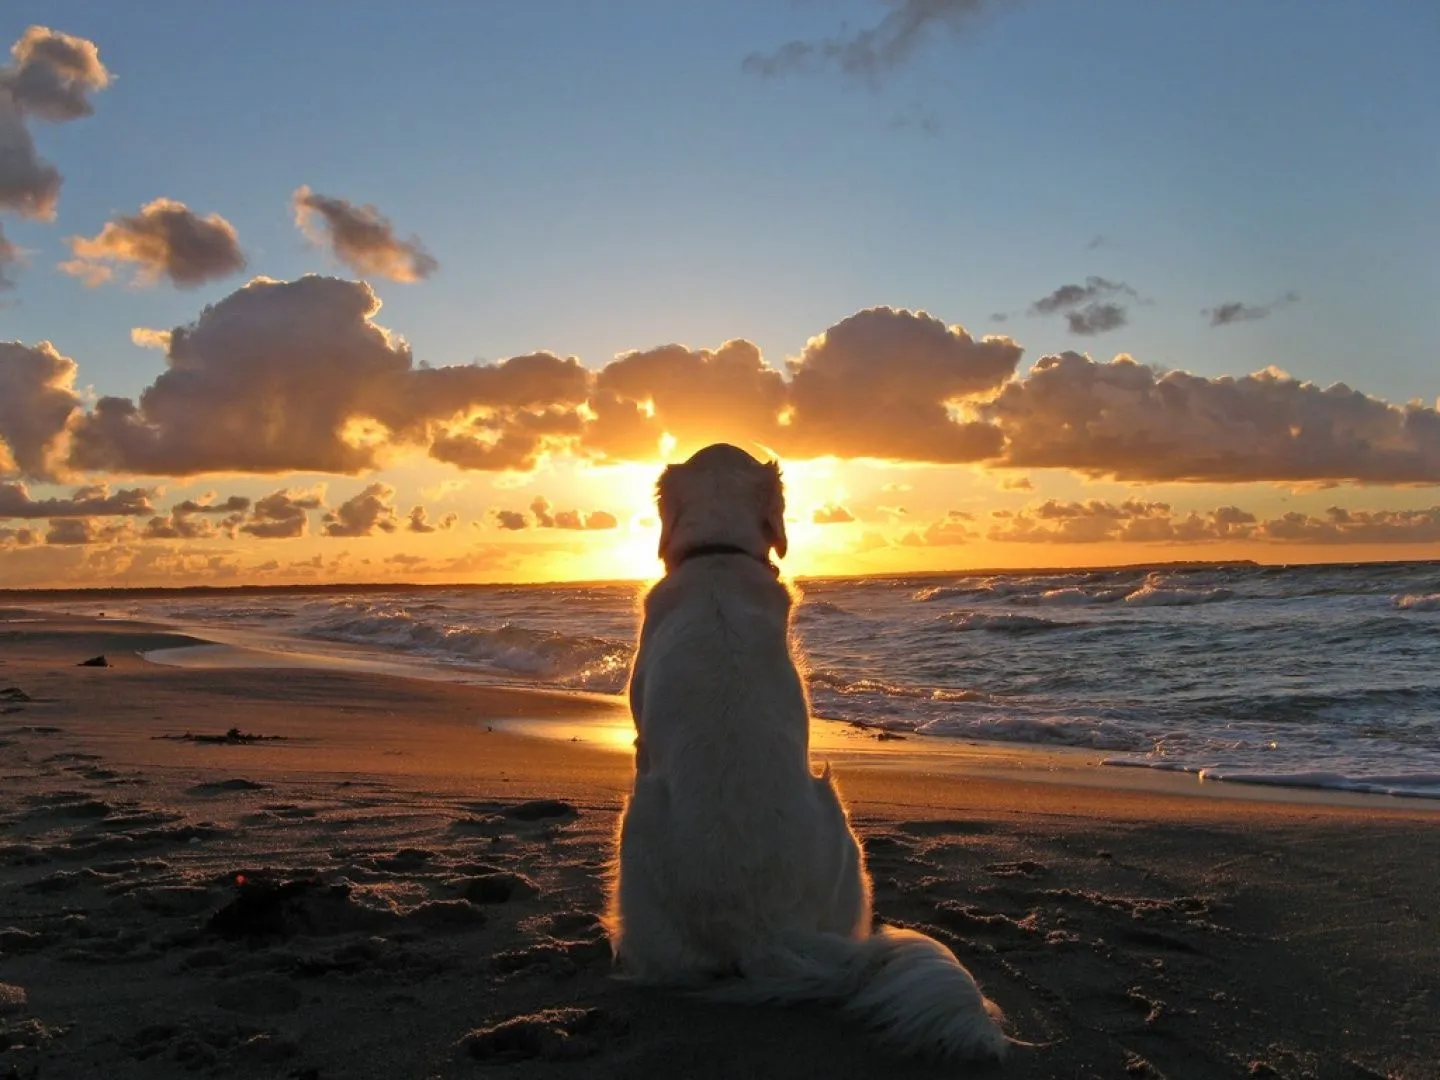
x: 442, y: 878
x: 840, y: 742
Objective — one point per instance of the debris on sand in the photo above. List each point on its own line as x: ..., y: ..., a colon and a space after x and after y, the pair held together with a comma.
x: 94, y: 661
x: 233, y: 737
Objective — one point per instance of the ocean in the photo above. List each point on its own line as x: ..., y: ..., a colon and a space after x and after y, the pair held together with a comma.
x: 1315, y: 676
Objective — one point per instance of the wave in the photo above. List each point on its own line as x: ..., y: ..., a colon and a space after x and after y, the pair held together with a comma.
x: 1417, y: 603
x: 1047, y: 730
x: 1078, y: 596
x: 1001, y: 622
x: 1152, y: 595
x: 836, y: 683
x: 579, y: 662
x: 1419, y: 785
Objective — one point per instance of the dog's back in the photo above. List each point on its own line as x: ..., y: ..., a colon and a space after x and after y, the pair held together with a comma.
x: 746, y: 835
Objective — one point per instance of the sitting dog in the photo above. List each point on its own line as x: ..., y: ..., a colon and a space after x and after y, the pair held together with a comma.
x: 737, y: 874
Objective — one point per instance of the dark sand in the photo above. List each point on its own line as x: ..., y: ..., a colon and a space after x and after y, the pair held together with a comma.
x: 404, y: 889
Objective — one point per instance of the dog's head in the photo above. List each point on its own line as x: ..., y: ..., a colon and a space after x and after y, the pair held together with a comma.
x: 721, y: 495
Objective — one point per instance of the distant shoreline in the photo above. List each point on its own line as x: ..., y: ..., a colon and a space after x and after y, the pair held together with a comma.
x: 322, y: 588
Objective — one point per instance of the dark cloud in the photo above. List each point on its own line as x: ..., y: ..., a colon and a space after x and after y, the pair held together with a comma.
x: 50, y: 77
x: 361, y: 237
x: 1096, y: 319
x: 371, y: 509
x: 511, y: 520
x: 1127, y: 421
x: 166, y: 239
x: 1087, y: 307
x: 282, y: 515
x: 1235, y: 311
x: 180, y: 526
x: 37, y: 402
x: 882, y: 383
x: 419, y: 521
x: 10, y: 257
x: 831, y: 515
x: 235, y: 504
x: 81, y: 531
x: 874, y: 51
x: 94, y: 501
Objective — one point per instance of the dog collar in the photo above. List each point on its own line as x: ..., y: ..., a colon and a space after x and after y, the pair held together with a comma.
x: 702, y: 550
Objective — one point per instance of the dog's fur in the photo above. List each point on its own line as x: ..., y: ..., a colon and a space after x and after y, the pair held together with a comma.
x: 738, y: 875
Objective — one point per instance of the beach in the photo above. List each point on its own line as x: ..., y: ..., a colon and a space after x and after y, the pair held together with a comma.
x: 326, y: 873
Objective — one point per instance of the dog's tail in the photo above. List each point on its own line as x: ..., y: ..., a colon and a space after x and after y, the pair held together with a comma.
x: 906, y: 986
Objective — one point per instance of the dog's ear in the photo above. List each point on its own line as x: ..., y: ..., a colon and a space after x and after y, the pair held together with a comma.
x: 667, y: 501
x: 775, y: 510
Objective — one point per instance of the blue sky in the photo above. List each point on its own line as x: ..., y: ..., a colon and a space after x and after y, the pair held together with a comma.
x: 600, y: 177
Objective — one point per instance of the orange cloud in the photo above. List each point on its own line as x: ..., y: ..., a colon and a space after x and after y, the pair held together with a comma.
x: 371, y: 509
x: 37, y: 402
x: 419, y: 521
x: 568, y: 519
x: 166, y: 239
x: 881, y: 384
x: 282, y: 515
x: 93, y: 501
x: 361, y: 237
x: 954, y: 528
x: 1130, y: 422
x: 831, y: 515
x: 10, y: 256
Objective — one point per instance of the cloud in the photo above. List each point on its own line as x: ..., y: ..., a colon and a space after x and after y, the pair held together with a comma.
x: 874, y: 51
x: 1096, y: 319
x: 37, y: 402
x: 1070, y: 296
x: 79, y: 531
x: 371, y: 509
x: 1016, y: 483
x: 881, y: 384
x: 1341, y: 526
x: 831, y: 515
x: 1235, y: 311
x: 10, y: 257
x: 282, y: 514
x: 179, y: 526
x: 166, y: 239
x: 567, y: 519
x: 235, y: 504
x: 511, y: 520
x: 14, y: 539
x: 1086, y: 307
x: 695, y: 395
x: 1133, y: 521
x: 297, y: 377
x: 50, y: 77
x: 96, y: 501
x: 361, y: 237
x: 1129, y: 422
x: 951, y: 530
x: 419, y: 521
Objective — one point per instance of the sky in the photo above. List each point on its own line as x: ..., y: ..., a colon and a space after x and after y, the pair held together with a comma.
x: 382, y: 292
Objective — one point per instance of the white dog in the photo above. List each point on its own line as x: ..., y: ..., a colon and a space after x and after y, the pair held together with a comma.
x: 738, y: 874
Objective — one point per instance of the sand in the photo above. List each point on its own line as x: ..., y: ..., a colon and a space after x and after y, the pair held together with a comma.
x: 393, y: 883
